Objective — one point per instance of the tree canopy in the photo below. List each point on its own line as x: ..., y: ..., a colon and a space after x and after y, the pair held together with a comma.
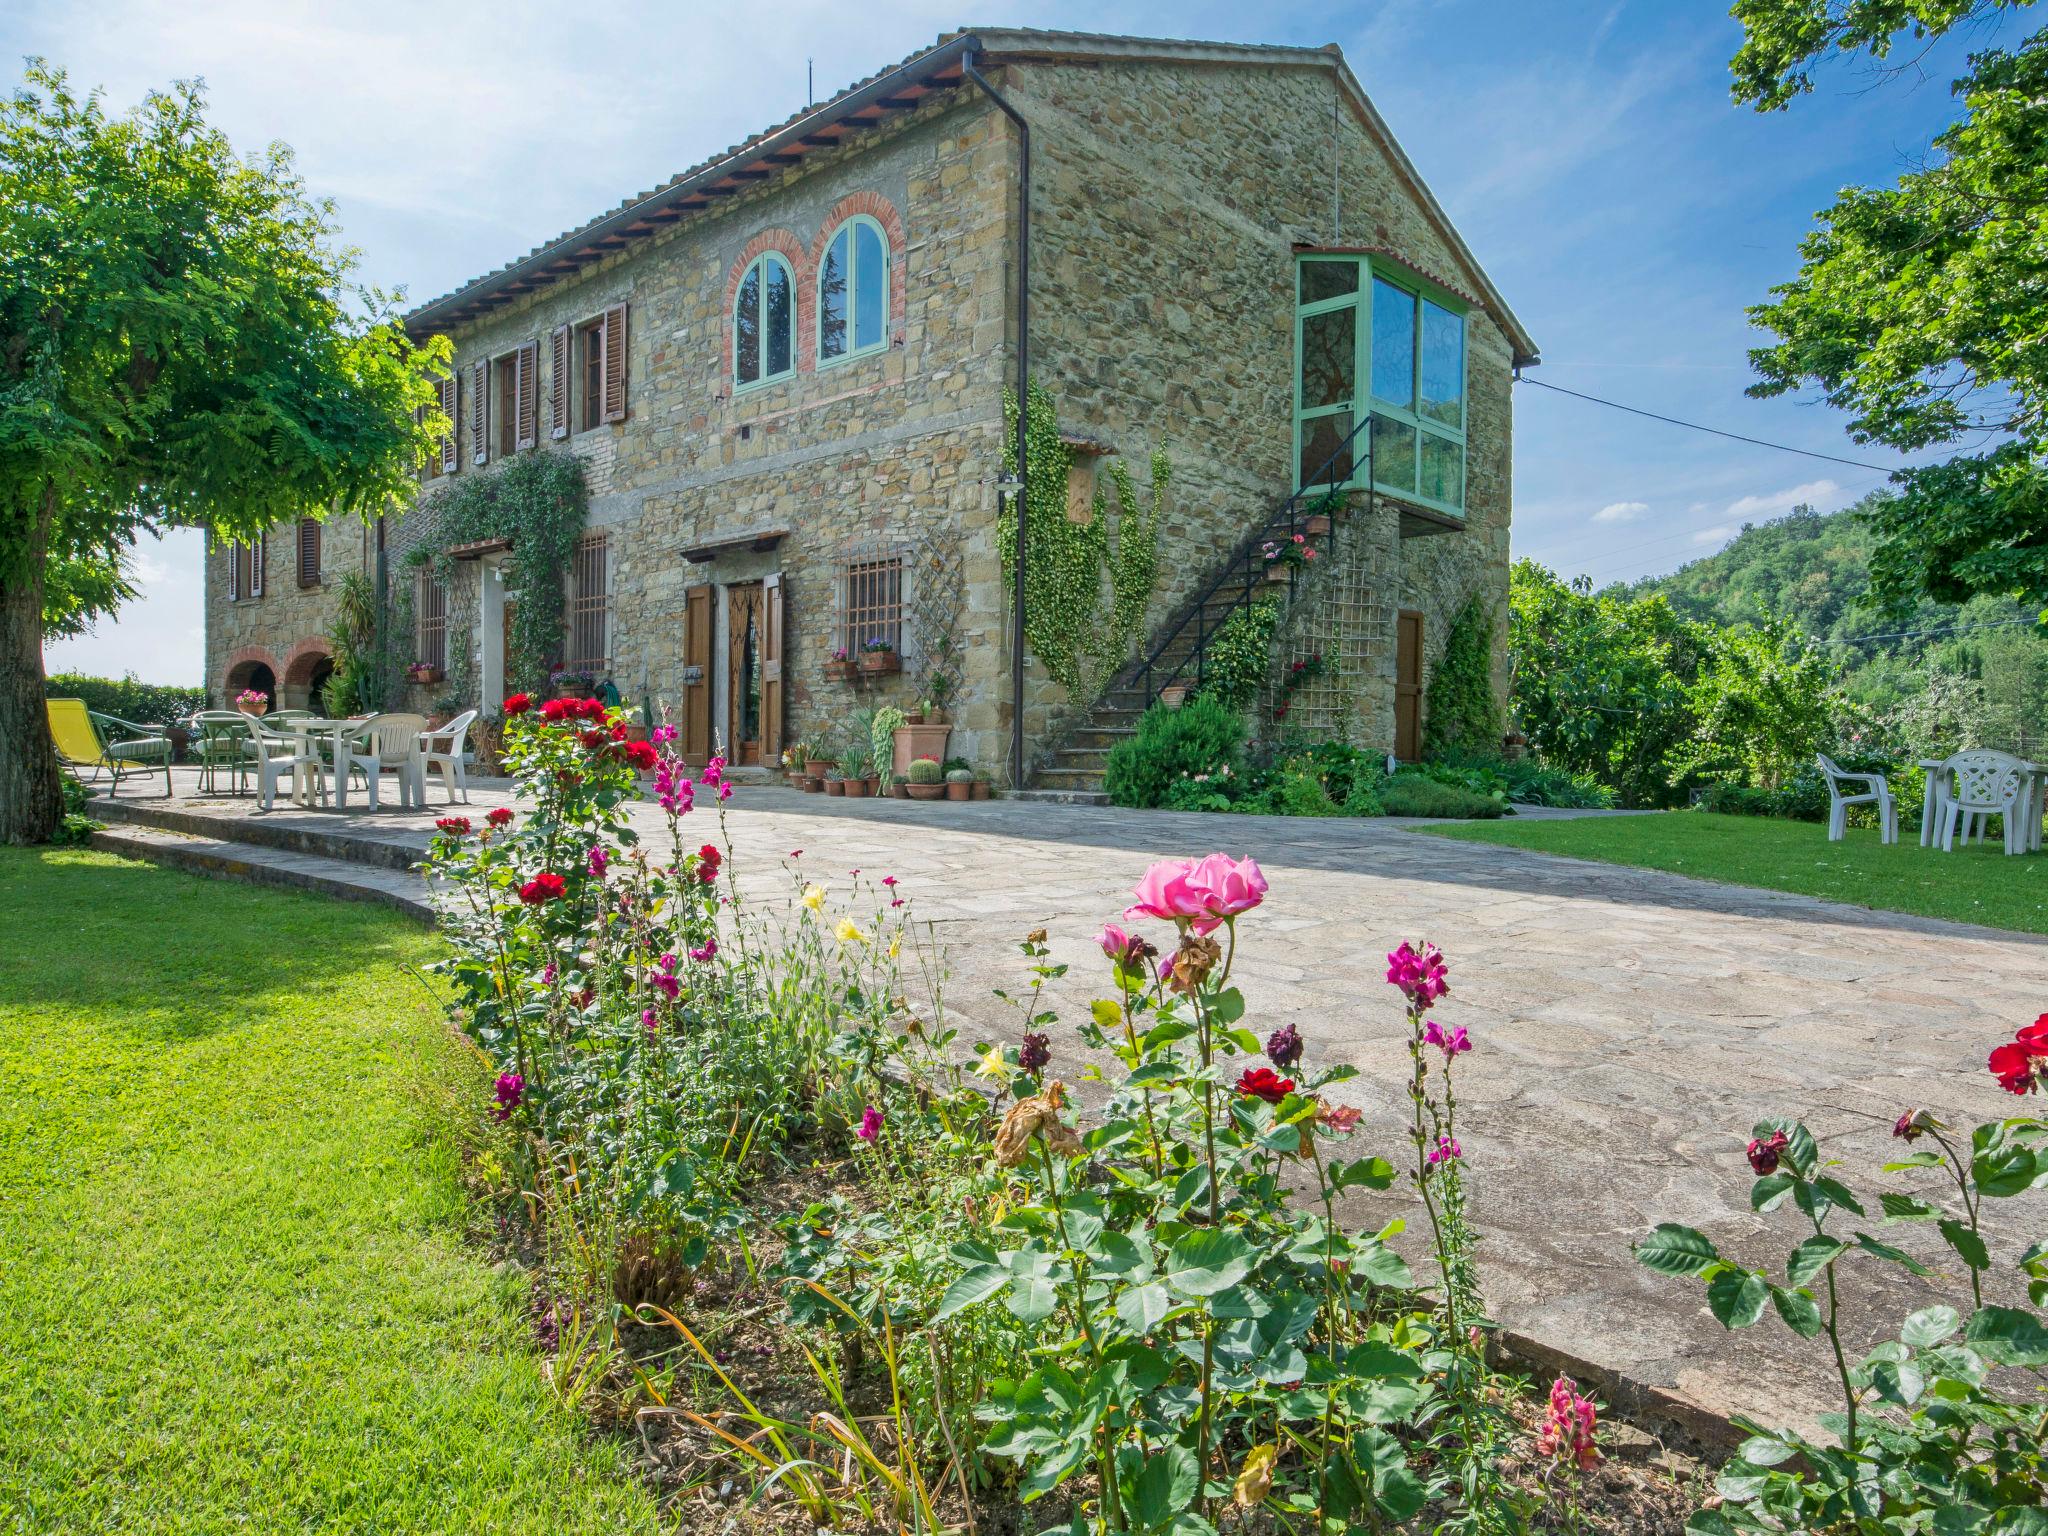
x: 180, y: 344
x: 1920, y: 309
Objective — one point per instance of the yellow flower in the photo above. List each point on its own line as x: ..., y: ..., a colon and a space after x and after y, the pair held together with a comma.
x: 896, y: 946
x: 1255, y: 1481
x: 993, y: 1065
x: 814, y: 897
x: 848, y: 933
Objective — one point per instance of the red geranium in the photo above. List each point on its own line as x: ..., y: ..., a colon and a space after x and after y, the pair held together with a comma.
x: 544, y: 887
x: 500, y: 817
x: 453, y: 826
x: 1264, y: 1083
x: 518, y: 703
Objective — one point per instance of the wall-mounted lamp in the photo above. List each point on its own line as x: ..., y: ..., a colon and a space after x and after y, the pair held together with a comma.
x: 1008, y: 485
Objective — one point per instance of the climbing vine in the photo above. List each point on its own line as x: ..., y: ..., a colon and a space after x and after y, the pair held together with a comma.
x: 1238, y: 658
x: 1065, y: 560
x: 1463, y: 708
x: 539, y: 502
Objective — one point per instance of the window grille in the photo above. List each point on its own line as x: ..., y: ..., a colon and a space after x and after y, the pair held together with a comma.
x: 431, y: 610
x: 871, y: 602
x: 590, y: 606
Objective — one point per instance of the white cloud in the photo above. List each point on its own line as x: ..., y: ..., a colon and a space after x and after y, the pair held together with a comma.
x: 1621, y: 511
x: 1713, y: 535
x: 1821, y: 495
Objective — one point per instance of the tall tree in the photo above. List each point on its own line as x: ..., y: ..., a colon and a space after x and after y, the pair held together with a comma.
x: 179, y: 345
x: 1922, y: 309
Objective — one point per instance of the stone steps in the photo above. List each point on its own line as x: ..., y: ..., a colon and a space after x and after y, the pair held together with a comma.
x: 282, y: 868
x: 349, y: 841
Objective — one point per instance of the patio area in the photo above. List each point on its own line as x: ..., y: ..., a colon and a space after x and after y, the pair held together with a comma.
x: 1630, y: 1025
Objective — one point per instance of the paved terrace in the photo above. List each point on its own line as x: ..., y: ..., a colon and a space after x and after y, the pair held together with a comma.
x: 1629, y: 1026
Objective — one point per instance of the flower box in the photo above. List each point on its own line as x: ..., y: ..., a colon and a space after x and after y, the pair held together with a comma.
x: 422, y: 674
x: 879, y: 663
x: 839, y: 670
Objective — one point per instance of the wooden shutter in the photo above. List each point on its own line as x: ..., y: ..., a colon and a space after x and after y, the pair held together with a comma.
x: 559, y: 350
x: 257, y: 559
x: 1408, y: 686
x: 309, y: 552
x: 234, y: 573
x: 480, y: 413
x: 615, y: 363
x: 696, y: 731
x: 771, y: 669
x: 525, y: 384
x: 451, y: 448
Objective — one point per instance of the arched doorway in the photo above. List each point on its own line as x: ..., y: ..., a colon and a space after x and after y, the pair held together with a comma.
x: 306, y: 671
x: 244, y: 675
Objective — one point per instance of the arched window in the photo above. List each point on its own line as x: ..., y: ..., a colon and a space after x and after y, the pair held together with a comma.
x: 764, y: 323
x: 853, y: 291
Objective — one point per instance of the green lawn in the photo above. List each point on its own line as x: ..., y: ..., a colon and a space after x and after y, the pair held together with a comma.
x: 1978, y: 884
x: 234, y: 1294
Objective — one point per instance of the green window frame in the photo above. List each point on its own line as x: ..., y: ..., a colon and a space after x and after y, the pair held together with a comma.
x: 853, y: 292
x: 764, y: 323
x: 1371, y: 337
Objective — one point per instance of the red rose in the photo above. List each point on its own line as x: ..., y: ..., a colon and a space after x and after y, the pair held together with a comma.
x: 590, y: 709
x: 555, y: 711
x: 544, y: 887
x: 2013, y: 1064
x: 1764, y: 1155
x: 500, y: 817
x: 518, y: 703
x: 453, y: 826
x: 1264, y: 1083
x: 593, y: 740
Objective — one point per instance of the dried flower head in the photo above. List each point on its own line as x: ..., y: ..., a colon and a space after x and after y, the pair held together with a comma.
x: 1192, y: 963
x: 1038, y: 1115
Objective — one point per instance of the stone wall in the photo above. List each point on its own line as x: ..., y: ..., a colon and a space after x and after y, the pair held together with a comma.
x: 286, y: 628
x: 1170, y: 201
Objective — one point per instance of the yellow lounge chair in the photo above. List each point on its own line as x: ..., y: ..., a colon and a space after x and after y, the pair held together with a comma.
x: 91, y: 743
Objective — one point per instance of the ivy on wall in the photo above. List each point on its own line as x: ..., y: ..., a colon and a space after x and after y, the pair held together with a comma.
x: 1241, y: 654
x: 1463, y: 709
x: 539, y: 501
x: 1065, y: 561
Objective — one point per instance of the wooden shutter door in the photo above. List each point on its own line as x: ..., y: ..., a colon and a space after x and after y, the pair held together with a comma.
x: 234, y: 573
x: 256, y: 564
x: 525, y: 384
x: 615, y: 363
x: 558, y: 390
x: 480, y: 413
x: 696, y: 727
x: 771, y: 669
x: 451, y: 448
x: 1408, y: 687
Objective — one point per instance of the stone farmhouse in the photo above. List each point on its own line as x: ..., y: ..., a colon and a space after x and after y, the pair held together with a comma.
x: 784, y: 375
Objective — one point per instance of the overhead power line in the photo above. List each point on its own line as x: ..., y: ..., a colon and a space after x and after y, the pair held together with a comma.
x: 1693, y: 426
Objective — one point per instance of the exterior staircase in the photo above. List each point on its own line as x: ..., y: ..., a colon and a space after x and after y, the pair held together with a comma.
x: 1072, y: 771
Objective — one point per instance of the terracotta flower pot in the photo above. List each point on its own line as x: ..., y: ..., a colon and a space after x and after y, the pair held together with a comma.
x: 1317, y: 525
x: 260, y: 708
x: 812, y: 786
x: 855, y: 789
x: 981, y: 789
x: 900, y: 788
x: 814, y: 767
x: 915, y: 741
x: 636, y: 733
x: 959, y: 791
x: 878, y: 663
x: 835, y: 786
x: 1173, y: 695
x: 926, y: 791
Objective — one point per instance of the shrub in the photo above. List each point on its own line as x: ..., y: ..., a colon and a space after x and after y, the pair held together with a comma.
x: 127, y: 696
x: 1464, y: 712
x: 1202, y: 736
x: 1241, y: 654
x: 1409, y: 793
x: 1301, y: 794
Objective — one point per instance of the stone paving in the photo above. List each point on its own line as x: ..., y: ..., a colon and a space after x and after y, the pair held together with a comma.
x: 1629, y: 1026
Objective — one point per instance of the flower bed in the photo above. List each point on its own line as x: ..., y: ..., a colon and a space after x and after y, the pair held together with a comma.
x: 852, y: 1272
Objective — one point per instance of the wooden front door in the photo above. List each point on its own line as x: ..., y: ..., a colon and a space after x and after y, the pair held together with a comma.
x: 1408, y: 686
x: 771, y: 668
x: 695, y: 725
x: 745, y: 633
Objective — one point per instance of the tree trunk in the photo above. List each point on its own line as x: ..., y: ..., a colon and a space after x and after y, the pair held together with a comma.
x: 31, y: 794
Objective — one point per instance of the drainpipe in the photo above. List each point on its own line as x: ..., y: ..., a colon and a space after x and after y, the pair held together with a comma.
x: 383, y: 602
x: 967, y: 67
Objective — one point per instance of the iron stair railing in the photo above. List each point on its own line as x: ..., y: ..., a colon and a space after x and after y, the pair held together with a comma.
x: 1151, y: 676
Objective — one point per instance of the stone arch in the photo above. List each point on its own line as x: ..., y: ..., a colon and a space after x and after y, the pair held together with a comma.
x: 251, y: 667
x: 883, y: 212
x: 785, y: 244
x: 307, y: 666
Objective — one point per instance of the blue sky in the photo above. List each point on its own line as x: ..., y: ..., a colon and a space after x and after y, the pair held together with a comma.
x: 1588, y: 152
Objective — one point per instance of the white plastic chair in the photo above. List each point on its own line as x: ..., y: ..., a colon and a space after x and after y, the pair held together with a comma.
x: 1983, y: 785
x: 384, y: 744
x: 443, y: 751
x: 265, y: 753
x: 1876, y: 791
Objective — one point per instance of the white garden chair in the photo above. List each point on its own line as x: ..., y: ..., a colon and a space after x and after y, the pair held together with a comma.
x: 443, y: 752
x: 1983, y: 785
x: 1876, y: 791
x: 255, y: 750
x: 383, y: 744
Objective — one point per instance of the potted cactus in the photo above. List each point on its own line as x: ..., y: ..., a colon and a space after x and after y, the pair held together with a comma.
x: 925, y: 779
x: 960, y: 784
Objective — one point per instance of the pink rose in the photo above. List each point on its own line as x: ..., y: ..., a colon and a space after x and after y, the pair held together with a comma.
x: 1200, y: 895
x: 1163, y: 892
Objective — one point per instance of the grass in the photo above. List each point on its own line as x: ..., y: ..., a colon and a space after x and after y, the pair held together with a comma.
x: 234, y: 1292
x: 1978, y: 884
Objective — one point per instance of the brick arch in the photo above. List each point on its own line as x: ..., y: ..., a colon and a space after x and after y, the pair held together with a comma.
x: 301, y: 667
x: 235, y: 674
x: 785, y: 243
x: 883, y: 212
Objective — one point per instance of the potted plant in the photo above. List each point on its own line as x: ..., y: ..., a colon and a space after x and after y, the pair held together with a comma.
x: 835, y: 782
x: 1173, y: 695
x: 883, y: 724
x: 572, y: 685
x: 932, y: 706
x: 925, y: 780
x: 853, y: 768
x: 815, y: 760
x: 899, y: 785
x: 442, y: 710
x: 960, y: 784
x: 980, y: 788
x: 250, y: 702
x: 839, y: 665
x: 1284, y: 557
x: 424, y: 672
x: 878, y: 656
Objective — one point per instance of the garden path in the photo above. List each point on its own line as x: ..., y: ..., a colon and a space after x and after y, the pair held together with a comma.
x: 1629, y: 1027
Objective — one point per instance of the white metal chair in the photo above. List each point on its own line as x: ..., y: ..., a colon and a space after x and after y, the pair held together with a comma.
x: 1876, y: 791
x: 252, y: 749
x: 443, y: 752
x: 1983, y: 785
x: 383, y: 744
